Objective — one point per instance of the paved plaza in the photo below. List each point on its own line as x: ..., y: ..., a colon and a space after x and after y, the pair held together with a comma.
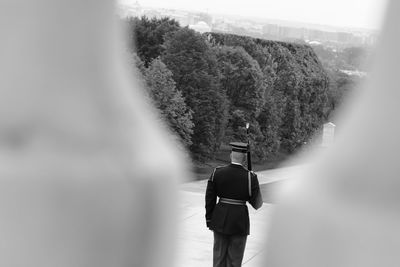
x: 196, y: 241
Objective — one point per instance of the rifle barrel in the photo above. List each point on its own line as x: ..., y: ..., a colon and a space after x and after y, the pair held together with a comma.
x: 248, y: 156
x: 248, y: 147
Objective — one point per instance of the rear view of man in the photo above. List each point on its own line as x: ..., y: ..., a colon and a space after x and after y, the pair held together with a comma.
x: 234, y: 185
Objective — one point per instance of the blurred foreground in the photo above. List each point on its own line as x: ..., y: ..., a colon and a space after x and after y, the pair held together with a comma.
x: 344, y: 211
x: 88, y: 178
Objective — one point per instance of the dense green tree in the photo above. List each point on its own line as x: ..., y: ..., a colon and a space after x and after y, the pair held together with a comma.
x: 270, y: 121
x: 304, y: 87
x: 228, y: 80
x: 246, y: 86
x: 238, y: 132
x: 195, y: 70
x: 270, y: 118
x: 148, y: 35
x: 296, y: 89
x: 169, y: 100
x: 161, y: 91
x: 242, y: 79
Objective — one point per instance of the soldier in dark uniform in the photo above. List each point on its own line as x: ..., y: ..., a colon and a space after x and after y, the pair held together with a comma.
x: 234, y: 185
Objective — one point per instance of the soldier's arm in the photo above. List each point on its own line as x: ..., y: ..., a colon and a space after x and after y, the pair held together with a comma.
x: 211, y: 198
x: 256, y: 200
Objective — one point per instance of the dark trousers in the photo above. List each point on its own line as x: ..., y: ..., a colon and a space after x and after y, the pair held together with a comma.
x: 228, y: 250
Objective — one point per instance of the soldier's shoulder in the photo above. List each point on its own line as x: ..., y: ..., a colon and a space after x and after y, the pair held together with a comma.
x: 220, y: 167
x: 215, y: 171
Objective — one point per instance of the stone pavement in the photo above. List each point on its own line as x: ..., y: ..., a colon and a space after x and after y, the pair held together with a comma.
x: 195, y: 241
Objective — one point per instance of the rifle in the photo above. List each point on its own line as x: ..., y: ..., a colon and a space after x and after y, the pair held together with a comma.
x: 248, y: 147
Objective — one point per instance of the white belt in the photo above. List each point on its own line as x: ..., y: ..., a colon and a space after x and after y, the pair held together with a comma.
x: 232, y: 201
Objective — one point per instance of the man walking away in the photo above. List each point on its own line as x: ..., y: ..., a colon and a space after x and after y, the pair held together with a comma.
x: 234, y: 185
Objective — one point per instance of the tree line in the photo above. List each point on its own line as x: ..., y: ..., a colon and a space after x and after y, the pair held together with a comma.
x: 207, y: 86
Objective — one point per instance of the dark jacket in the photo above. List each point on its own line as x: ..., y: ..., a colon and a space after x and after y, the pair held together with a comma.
x: 231, y: 182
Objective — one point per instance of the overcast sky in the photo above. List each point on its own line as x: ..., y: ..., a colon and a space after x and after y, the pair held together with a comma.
x: 347, y: 13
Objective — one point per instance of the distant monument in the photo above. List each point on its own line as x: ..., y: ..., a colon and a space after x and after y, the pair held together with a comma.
x: 328, y: 134
x: 201, y: 27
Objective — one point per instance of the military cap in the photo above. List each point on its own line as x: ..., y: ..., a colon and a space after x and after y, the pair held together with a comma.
x: 239, y: 147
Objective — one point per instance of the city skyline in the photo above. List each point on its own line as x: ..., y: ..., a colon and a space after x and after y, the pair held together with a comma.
x: 367, y: 14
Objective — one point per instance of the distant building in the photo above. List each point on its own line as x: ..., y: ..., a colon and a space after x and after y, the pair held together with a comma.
x: 201, y: 27
x: 345, y: 37
x: 271, y: 29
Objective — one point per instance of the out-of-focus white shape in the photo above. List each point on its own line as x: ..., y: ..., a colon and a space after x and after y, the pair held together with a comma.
x: 346, y: 212
x: 357, y: 73
x: 87, y: 177
x: 200, y: 27
x: 328, y: 134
